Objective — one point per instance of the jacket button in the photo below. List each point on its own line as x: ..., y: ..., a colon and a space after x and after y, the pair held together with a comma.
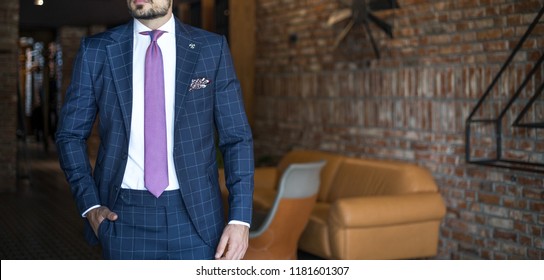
x: 125, y: 156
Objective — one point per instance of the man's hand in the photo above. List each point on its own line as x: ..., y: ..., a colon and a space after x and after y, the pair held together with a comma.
x: 97, y: 215
x: 233, y: 243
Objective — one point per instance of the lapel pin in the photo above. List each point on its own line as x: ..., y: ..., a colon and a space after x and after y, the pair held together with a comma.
x: 192, y: 45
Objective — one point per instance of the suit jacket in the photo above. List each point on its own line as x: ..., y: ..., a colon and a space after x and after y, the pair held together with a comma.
x: 101, y: 87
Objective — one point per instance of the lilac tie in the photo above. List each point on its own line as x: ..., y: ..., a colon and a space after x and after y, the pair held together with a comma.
x: 155, y: 157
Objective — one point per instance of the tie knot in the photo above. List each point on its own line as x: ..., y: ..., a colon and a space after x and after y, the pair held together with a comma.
x: 154, y: 34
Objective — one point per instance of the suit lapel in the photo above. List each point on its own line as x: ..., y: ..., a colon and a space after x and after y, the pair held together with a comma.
x: 187, y: 54
x: 120, y: 59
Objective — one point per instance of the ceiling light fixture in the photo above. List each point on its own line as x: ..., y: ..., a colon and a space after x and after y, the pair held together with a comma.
x: 38, y: 2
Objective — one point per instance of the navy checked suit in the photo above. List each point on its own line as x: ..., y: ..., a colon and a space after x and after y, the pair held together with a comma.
x: 101, y: 87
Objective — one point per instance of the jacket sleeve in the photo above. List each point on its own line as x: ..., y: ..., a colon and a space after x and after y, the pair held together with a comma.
x: 235, y: 139
x: 75, y: 125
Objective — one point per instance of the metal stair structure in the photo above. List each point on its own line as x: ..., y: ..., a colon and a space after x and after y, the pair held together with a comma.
x: 506, y: 127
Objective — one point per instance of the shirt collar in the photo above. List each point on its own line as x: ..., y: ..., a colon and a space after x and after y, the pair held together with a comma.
x: 169, y: 26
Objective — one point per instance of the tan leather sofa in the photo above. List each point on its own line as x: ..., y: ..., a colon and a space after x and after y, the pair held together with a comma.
x: 366, y: 209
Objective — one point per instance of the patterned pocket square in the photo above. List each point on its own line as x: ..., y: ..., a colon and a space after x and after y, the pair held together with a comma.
x: 199, y: 83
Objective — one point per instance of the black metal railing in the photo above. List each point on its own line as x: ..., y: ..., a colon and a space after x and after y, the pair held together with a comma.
x: 504, y: 129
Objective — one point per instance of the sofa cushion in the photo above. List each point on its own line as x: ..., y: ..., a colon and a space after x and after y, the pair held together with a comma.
x: 386, y: 210
x: 360, y: 177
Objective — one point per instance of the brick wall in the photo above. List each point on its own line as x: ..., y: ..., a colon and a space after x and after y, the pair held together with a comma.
x: 9, y: 34
x: 410, y: 105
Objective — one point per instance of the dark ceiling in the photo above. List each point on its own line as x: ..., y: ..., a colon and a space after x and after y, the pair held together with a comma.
x: 55, y: 13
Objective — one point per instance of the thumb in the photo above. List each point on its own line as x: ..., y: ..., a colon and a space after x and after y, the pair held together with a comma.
x: 112, y: 216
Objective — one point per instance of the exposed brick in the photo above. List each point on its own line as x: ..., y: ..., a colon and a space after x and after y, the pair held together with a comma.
x: 492, y: 244
x: 501, y: 223
x: 529, y: 217
x: 467, y: 252
x: 534, y: 254
x: 489, y: 198
x: 520, y: 226
x: 525, y: 240
x: 539, y: 243
x: 536, y: 230
x: 509, y: 202
x: 500, y: 256
x: 514, y: 250
x: 506, y: 235
x: 463, y: 237
x: 537, y: 206
x: 8, y: 90
x: 411, y: 105
x: 530, y: 181
x: 486, y: 254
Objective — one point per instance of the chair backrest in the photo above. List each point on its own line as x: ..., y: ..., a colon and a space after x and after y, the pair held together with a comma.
x: 327, y: 173
x: 298, y: 181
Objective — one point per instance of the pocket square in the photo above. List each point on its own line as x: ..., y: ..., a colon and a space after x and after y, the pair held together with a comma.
x: 199, y: 83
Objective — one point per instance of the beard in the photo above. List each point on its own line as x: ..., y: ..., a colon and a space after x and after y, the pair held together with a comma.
x: 152, y: 13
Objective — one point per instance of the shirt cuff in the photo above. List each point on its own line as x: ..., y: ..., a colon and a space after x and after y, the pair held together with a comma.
x: 84, y: 215
x: 235, y: 222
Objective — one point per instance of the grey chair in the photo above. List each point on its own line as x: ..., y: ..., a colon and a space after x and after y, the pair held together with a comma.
x: 275, y: 234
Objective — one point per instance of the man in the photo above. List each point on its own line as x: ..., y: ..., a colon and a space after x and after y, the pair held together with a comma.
x: 200, y: 95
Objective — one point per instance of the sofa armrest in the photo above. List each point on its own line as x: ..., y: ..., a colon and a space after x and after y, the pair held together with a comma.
x: 374, y: 211
x: 266, y: 178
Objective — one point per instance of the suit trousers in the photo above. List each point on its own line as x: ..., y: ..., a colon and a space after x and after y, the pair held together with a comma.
x: 152, y: 228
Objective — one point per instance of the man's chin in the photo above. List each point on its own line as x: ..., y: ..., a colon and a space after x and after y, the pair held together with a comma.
x: 147, y: 16
x: 143, y: 14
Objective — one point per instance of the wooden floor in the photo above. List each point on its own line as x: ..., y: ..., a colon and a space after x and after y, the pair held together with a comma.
x: 40, y: 220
